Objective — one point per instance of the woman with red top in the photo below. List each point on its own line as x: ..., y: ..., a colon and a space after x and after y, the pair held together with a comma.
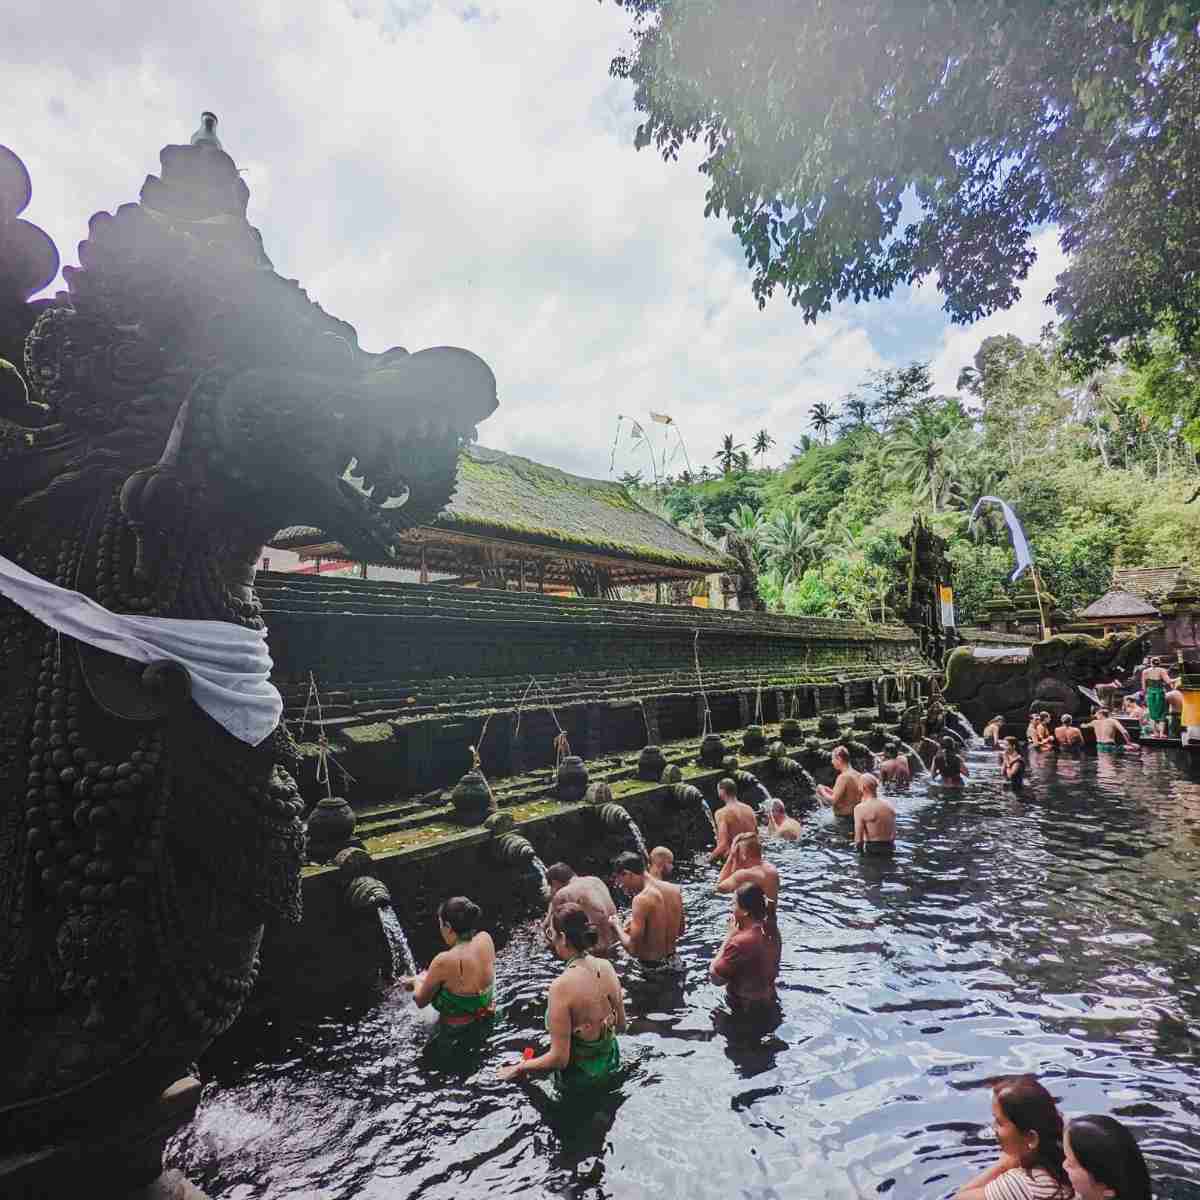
x: 748, y: 962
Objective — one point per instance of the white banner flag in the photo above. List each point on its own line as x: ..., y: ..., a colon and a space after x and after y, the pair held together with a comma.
x: 1020, y: 545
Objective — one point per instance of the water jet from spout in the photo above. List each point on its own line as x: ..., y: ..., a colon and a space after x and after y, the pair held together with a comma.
x: 403, y: 962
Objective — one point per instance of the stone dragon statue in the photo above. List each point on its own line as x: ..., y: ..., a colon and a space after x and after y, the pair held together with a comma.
x: 160, y: 420
x: 1047, y: 677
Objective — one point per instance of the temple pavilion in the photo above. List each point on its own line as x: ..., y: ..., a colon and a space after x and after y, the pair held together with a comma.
x: 521, y: 525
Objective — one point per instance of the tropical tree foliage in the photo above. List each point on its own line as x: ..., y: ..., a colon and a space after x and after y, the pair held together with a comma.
x: 1100, y: 471
x: 861, y: 145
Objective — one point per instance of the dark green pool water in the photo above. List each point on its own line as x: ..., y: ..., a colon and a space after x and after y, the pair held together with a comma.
x: 1054, y: 932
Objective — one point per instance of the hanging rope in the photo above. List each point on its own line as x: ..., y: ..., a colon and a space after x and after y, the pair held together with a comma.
x: 324, y: 754
x: 700, y: 680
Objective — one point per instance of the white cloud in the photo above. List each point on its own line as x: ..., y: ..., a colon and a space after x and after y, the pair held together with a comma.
x: 439, y: 173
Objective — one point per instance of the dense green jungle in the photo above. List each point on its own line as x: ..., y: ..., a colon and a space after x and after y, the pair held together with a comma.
x: 1102, y: 471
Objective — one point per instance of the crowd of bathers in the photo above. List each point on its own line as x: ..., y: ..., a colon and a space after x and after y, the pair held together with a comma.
x: 1041, y: 1156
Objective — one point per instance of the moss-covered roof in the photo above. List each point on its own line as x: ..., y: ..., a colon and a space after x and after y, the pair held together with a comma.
x: 505, y: 498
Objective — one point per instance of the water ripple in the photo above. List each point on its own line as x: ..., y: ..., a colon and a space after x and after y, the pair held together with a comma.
x: 1056, y: 932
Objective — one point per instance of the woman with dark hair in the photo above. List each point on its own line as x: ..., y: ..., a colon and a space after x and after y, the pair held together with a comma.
x: 1030, y: 1132
x: 1012, y: 762
x: 585, y: 1009
x: 948, y: 766
x: 460, y: 982
x: 748, y: 961
x: 1103, y: 1160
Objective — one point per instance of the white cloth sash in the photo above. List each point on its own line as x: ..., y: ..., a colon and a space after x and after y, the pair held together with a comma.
x: 229, y: 665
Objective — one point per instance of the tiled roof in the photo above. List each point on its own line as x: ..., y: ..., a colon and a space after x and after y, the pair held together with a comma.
x: 1118, y: 603
x: 1151, y: 583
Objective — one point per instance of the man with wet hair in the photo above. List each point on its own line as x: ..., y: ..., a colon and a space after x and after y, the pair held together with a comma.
x: 893, y: 767
x: 779, y: 824
x: 590, y: 893
x: 733, y: 817
x: 656, y: 921
x: 746, y: 864
x: 846, y: 792
x: 874, y: 821
x: 1110, y: 733
x: 1067, y: 736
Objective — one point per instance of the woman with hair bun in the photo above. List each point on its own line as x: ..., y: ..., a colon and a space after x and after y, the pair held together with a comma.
x: 1029, y: 1129
x: 585, y: 1009
x: 1104, y: 1161
x: 460, y: 983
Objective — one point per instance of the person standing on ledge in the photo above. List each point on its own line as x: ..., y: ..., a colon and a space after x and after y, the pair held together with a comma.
x: 585, y: 1010
x: 656, y: 922
x: 874, y: 821
x: 846, y: 792
x: 1156, y: 679
x: 460, y: 982
x: 1067, y: 736
x: 893, y: 768
x: 779, y: 824
x: 748, y: 961
x: 1029, y: 1128
x: 746, y: 864
x: 733, y: 817
x: 590, y: 893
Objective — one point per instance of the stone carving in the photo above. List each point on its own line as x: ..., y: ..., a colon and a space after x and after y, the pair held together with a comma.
x: 915, y: 597
x: 1047, y: 677
x: 184, y: 403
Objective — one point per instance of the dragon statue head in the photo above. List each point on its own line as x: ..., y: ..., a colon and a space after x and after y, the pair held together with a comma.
x: 160, y: 420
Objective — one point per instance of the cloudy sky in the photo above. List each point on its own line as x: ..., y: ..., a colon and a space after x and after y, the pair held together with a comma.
x: 437, y: 172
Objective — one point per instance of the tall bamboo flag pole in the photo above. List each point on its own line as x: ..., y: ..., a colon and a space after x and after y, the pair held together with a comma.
x: 1037, y: 591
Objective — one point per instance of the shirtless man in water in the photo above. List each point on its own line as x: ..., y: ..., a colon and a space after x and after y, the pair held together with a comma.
x: 733, y: 817
x: 1067, y: 736
x: 590, y: 893
x: 662, y: 862
x: 1110, y: 733
x: 656, y: 922
x: 874, y: 821
x: 779, y: 824
x: 847, y: 791
x: 894, y: 768
x: 746, y: 864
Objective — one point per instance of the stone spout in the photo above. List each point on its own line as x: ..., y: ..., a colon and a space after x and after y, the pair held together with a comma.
x: 511, y: 849
x: 361, y: 889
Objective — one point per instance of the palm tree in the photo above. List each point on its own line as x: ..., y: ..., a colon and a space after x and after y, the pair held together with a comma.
x: 727, y: 455
x: 743, y: 461
x: 926, y: 453
x: 793, y: 543
x: 704, y: 473
x: 763, y: 441
x: 747, y: 523
x: 856, y: 410
x: 822, y: 417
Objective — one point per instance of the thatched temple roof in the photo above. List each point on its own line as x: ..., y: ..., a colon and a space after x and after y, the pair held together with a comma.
x: 512, y: 510
x: 1118, y: 604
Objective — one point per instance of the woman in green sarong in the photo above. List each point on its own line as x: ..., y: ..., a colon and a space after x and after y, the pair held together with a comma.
x: 1156, y: 679
x: 585, y: 1010
x: 460, y: 983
